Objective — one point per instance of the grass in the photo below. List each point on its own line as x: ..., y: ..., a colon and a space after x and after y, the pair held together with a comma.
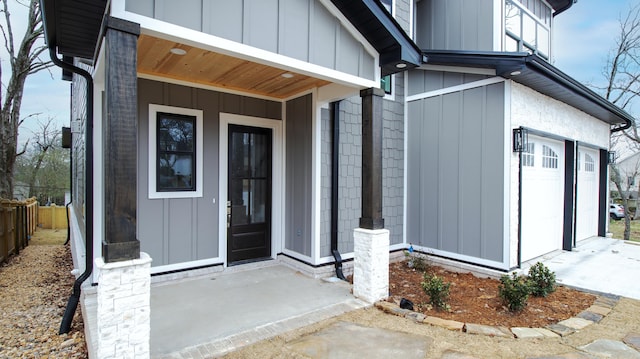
x: 617, y: 228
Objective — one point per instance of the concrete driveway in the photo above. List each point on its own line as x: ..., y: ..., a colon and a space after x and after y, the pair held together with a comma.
x: 598, y: 264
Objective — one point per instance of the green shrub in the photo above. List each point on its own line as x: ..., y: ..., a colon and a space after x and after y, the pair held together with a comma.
x: 514, y: 291
x: 542, y: 281
x: 437, y: 290
x: 417, y: 261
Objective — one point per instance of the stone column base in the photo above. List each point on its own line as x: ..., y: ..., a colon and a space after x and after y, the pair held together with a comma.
x: 124, y: 312
x: 371, y: 264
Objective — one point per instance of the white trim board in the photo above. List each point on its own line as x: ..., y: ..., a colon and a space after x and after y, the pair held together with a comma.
x: 277, y: 184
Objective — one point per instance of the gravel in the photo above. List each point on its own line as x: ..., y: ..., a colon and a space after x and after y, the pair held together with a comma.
x: 34, y: 289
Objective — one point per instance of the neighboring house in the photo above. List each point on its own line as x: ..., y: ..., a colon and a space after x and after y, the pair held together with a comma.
x: 229, y: 132
x: 629, y: 169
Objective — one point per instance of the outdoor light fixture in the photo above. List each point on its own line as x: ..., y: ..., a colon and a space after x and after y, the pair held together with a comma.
x: 611, y: 157
x: 177, y: 51
x: 520, y: 139
x: 401, y: 65
x: 287, y: 75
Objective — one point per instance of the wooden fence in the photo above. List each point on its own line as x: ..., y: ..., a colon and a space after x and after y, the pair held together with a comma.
x: 52, y: 217
x: 18, y: 221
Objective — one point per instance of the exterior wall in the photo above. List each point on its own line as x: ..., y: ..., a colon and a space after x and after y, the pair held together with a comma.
x: 178, y: 230
x: 325, y: 183
x: 301, y: 29
x: 534, y: 110
x: 455, y: 25
x: 424, y: 81
x: 298, y: 236
x: 455, y: 174
x: 79, y: 115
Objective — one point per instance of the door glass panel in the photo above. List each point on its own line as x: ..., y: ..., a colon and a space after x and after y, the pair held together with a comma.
x: 258, y: 200
x: 239, y: 165
x: 258, y: 156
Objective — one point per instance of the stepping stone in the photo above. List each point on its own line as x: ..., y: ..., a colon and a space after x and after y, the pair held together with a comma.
x: 632, y: 340
x: 444, y: 323
x: 349, y: 340
x: 610, y: 349
x: 450, y: 354
x: 415, y: 316
x: 489, y: 330
x: 590, y: 316
x: 599, y: 310
x: 520, y: 332
x: 560, y: 329
x: 547, y: 333
x: 608, y: 302
x: 575, y: 323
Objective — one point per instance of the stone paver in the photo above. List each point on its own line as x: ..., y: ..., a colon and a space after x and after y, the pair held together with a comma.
x: 590, y: 316
x: 520, y: 332
x: 546, y: 332
x: 608, y: 302
x: 632, y: 340
x: 450, y: 354
x: 388, y: 343
x: 560, y: 329
x: 488, y: 330
x: 576, y: 323
x: 444, y: 323
x: 574, y: 355
x: 598, y: 309
x: 611, y: 349
x: 415, y: 316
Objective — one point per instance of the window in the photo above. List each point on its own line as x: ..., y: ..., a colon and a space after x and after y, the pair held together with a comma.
x: 528, y: 156
x: 528, y: 27
x: 549, y: 157
x: 388, y: 4
x: 589, y: 164
x: 385, y: 84
x: 175, y: 152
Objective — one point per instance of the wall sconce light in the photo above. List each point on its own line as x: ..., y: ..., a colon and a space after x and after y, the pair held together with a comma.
x: 520, y: 139
x: 611, y: 157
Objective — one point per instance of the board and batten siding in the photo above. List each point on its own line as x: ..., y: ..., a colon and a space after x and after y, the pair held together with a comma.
x: 455, y: 25
x: 301, y: 29
x: 455, y: 174
x: 298, y: 236
x: 179, y: 230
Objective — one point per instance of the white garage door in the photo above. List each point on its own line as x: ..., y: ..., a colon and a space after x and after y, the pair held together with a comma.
x: 587, y: 194
x: 542, y: 197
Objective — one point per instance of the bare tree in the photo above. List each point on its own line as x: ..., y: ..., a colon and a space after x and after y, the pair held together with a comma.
x: 622, y: 74
x: 45, y: 139
x: 24, y: 60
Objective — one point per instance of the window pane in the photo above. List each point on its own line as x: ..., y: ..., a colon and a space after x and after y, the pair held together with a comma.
x: 175, y: 134
x: 529, y: 30
x: 175, y: 172
x: 543, y: 40
x: 512, y: 19
x: 511, y: 44
x: 385, y: 84
x: 258, y: 200
x: 387, y: 5
x: 259, y: 152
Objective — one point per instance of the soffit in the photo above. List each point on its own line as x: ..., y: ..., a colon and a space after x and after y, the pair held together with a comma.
x: 218, y: 70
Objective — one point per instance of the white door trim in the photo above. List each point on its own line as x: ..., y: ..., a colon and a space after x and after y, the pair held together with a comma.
x: 277, y: 194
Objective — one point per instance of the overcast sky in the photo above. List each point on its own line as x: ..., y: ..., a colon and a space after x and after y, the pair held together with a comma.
x: 583, y: 37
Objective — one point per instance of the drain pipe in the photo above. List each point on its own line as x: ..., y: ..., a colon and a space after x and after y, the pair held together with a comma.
x: 72, y: 304
x: 334, y: 109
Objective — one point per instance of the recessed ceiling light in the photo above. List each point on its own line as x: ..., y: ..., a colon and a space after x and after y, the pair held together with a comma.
x: 515, y: 73
x: 177, y: 51
x: 401, y: 65
x: 287, y: 75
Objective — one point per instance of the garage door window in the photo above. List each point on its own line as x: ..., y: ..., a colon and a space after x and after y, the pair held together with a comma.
x: 527, y: 155
x: 549, y: 157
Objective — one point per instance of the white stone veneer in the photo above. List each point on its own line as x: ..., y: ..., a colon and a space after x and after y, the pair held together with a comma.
x: 124, y: 312
x: 371, y: 264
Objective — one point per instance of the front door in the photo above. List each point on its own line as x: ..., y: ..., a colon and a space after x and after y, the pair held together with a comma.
x: 249, y: 194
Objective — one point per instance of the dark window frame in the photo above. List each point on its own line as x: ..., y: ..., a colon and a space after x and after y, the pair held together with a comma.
x: 160, y: 152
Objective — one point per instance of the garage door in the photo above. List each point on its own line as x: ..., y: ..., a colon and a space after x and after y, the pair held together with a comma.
x: 542, y: 197
x: 587, y: 194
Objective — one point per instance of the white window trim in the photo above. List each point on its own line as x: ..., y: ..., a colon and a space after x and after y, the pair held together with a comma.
x: 198, y: 114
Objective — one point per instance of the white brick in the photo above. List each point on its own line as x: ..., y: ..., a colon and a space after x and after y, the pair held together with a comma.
x: 371, y: 264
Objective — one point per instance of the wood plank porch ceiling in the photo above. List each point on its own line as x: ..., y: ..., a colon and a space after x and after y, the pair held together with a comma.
x: 218, y: 70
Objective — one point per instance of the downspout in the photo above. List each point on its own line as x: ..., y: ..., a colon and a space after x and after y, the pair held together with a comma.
x: 519, y: 209
x: 334, y: 109
x: 72, y: 304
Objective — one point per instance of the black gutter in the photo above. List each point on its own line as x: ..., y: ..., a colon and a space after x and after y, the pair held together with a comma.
x: 564, y: 8
x: 334, y: 114
x: 72, y: 304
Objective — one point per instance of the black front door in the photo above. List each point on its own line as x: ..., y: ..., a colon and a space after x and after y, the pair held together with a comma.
x: 249, y: 194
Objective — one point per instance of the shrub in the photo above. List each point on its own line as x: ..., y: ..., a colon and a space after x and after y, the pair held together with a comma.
x: 542, y: 281
x: 417, y: 261
x: 514, y: 291
x: 437, y: 290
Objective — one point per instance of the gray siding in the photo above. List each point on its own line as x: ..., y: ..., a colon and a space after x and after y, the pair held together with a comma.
x: 456, y: 172
x: 325, y: 185
x: 350, y: 172
x: 298, y: 236
x: 301, y: 29
x: 454, y: 25
x: 421, y: 81
x: 186, y: 229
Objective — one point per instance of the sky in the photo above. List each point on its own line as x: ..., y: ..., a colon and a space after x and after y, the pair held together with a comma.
x: 583, y: 37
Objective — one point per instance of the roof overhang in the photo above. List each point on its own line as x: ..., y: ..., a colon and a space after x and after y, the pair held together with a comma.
x: 72, y: 26
x: 397, y: 51
x: 537, y: 74
x: 560, y: 6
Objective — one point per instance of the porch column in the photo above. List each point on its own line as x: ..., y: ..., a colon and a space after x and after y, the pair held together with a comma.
x: 123, y: 293
x: 120, y: 140
x: 371, y: 240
